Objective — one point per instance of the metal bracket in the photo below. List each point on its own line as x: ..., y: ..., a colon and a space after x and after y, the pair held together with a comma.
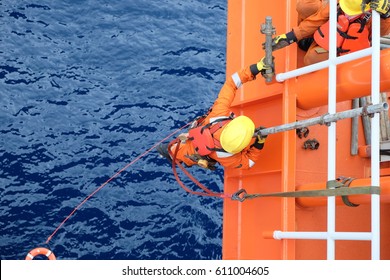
x: 240, y: 195
x: 302, y: 132
x: 311, y: 144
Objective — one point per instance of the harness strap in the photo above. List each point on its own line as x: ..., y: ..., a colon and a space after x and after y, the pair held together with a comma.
x: 347, y: 182
x: 215, y: 125
x: 203, y: 138
x: 214, y: 129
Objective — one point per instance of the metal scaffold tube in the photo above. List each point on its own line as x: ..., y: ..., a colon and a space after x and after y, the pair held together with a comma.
x: 268, y: 30
x: 324, y: 119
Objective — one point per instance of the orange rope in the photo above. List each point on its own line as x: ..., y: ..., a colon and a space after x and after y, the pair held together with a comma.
x: 113, y: 177
x: 175, y: 162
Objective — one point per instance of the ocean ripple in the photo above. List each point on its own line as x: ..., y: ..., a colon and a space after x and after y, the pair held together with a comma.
x: 86, y: 86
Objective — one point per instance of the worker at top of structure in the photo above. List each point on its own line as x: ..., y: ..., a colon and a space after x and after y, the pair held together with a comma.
x: 219, y: 136
x: 306, y: 8
x: 353, y: 23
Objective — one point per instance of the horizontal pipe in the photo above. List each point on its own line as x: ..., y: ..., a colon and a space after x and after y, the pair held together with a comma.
x: 355, y: 199
x: 353, y: 81
x: 324, y: 119
x: 385, y: 41
x: 281, y: 77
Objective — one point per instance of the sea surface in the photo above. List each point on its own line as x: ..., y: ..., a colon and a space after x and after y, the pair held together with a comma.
x: 87, y: 86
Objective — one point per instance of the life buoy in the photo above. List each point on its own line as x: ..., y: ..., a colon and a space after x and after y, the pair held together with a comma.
x: 40, y: 251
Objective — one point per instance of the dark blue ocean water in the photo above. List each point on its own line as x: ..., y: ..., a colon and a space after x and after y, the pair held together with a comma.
x: 85, y: 87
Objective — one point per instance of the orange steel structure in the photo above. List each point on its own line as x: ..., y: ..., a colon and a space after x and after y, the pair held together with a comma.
x: 285, y: 165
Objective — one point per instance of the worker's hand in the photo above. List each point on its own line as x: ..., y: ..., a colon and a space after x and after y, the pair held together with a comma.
x: 262, y: 67
x: 260, y: 140
x: 285, y: 40
x: 381, y: 6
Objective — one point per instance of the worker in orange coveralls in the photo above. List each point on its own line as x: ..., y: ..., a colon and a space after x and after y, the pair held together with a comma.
x: 306, y: 8
x: 354, y: 27
x: 219, y: 136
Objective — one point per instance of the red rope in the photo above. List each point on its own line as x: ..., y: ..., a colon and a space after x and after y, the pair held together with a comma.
x: 109, y: 180
x: 175, y: 162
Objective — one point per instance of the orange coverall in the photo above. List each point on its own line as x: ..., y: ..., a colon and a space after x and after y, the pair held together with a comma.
x: 309, y: 25
x: 306, y: 8
x: 221, y: 108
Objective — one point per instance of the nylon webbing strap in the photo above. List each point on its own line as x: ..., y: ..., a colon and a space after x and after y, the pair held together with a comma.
x: 334, y: 188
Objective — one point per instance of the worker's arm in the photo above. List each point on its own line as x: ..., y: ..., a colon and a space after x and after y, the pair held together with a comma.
x: 227, y: 93
x: 385, y: 26
x: 305, y: 29
x: 308, y: 26
x: 245, y: 159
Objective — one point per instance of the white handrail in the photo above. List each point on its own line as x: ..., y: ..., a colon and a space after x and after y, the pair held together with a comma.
x: 281, y: 77
x: 375, y: 134
x: 331, y: 209
x: 277, y: 234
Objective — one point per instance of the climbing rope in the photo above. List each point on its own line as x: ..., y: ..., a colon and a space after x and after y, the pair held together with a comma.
x: 175, y: 162
x: 111, y: 178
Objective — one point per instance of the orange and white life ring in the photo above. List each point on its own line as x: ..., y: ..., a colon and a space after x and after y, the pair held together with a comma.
x: 40, y: 251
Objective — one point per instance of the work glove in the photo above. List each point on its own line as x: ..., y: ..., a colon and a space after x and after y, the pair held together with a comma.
x: 262, y: 67
x: 381, y: 6
x: 284, y: 40
x: 260, y: 139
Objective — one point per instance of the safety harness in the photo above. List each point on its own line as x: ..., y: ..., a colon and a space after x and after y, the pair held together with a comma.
x: 352, y: 33
x: 202, y: 137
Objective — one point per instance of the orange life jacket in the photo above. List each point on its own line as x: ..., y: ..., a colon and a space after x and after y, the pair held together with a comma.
x: 352, y: 35
x: 202, y: 136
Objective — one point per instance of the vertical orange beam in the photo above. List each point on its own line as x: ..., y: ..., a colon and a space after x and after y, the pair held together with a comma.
x: 289, y: 138
x: 268, y: 105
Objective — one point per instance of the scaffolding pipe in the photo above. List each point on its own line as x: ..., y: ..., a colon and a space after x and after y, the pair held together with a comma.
x: 354, y: 129
x: 385, y: 41
x: 268, y: 30
x: 366, y: 122
x: 324, y: 119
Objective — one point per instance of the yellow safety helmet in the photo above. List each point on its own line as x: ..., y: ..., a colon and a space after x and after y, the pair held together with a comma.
x: 353, y: 7
x: 237, y: 134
